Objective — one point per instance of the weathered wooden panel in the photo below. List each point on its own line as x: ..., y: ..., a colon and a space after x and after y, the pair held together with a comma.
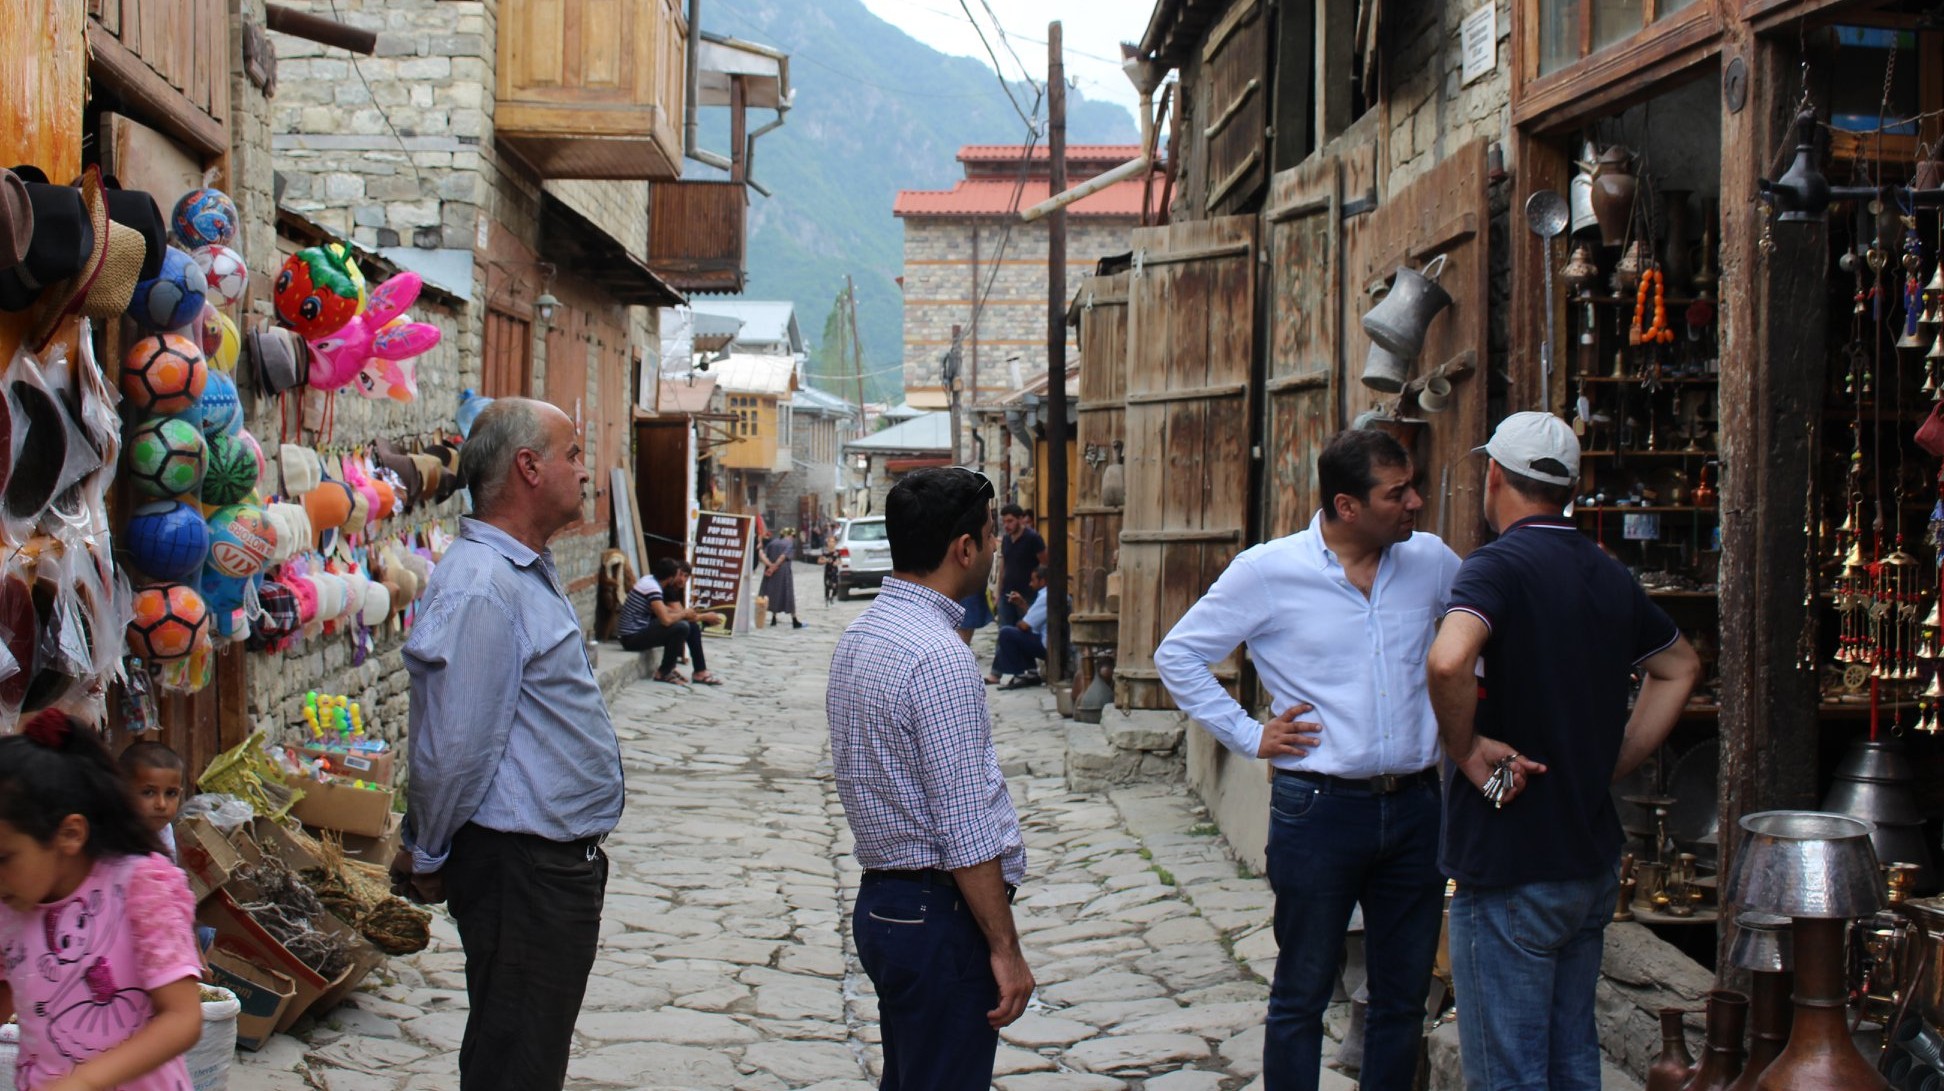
x: 185, y: 43
x: 1101, y: 312
x: 1235, y: 115
x: 1443, y: 212
x: 1190, y: 349
x: 697, y: 239
x: 592, y: 88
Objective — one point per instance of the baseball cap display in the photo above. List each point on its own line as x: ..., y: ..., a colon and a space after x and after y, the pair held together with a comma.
x: 1536, y: 445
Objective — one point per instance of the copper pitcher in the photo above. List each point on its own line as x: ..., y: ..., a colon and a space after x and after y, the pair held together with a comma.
x: 1675, y: 1066
x: 1727, y: 1017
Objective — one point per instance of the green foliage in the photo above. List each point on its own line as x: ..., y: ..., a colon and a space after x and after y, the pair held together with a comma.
x: 876, y: 112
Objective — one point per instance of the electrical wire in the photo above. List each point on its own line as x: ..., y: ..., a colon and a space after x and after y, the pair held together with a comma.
x: 798, y: 54
x: 999, y: 72
x: 385, y: 117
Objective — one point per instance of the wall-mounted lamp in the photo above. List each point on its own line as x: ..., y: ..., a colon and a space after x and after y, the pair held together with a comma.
x: 544, y: 307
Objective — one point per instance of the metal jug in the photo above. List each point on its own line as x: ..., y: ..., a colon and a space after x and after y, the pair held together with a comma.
x: 1385, y: 370
x: 1876, y: 782
x: 1398, y: 322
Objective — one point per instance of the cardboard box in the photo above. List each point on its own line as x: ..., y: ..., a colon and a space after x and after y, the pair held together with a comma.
x: 329, y: 805
x: 238, y: 934
x: 356, y: 764
x: 205, y: 854
x: 264, y: 993
x: 375, y: 850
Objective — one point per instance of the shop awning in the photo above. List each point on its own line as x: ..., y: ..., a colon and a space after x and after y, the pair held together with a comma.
x: 572, y: 241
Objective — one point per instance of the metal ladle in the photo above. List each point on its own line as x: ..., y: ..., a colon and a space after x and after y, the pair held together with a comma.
x: 1547, y: 214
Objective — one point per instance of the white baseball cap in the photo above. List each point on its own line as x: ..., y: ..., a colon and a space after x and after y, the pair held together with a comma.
x: 1536, y: 445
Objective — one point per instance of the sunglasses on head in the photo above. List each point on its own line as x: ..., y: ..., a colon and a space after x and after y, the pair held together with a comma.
x: 980, y: 500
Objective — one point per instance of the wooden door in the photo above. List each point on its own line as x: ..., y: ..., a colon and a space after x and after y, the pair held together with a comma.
x: 1445, y: 211
x: 661, y: 474
x: 1235, y: 89
x: 1302, y: 232
x: 1100, y: 310
x: 1190, y: 349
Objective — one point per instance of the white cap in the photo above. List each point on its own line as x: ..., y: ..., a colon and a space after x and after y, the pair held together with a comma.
x: 1523, y: 441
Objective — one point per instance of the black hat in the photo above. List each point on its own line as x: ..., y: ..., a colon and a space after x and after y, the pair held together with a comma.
x: 136, y: 209
x: 62, y: 243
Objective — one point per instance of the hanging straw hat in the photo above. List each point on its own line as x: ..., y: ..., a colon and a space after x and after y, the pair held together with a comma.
x: 302, y: 471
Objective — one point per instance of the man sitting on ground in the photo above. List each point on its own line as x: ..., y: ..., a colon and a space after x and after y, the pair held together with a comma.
x: 649, y: 620
x: 1023, y: 644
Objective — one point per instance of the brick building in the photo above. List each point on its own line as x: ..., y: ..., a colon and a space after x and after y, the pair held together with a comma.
x: 966, y: 244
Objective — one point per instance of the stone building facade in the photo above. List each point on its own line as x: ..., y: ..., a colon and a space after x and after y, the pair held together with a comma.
x: 820, y: 425
x: 970, y: 262
x: 1430, y: 110
x: 395, y: 152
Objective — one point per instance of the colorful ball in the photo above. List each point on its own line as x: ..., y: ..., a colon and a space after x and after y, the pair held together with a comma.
x: 167, y: 457
x: 318, y: 291
x: 219, y: 339
x: 224, y: 273
x: 171, y: 621
x: 233, y: 470
x: 205, y: 217
x: 174, y: 297
x: 222, y: 410
x: 163, y: 374
x: 241, y: 540
x: 225, y: 595
x: 167, y: 539
x: 256, y: 451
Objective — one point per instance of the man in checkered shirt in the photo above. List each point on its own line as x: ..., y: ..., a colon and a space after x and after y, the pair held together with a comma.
x: 935, y: 829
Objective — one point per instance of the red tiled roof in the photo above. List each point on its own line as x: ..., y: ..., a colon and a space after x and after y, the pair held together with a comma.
x: 1009, y: 153
x: 995, y: 198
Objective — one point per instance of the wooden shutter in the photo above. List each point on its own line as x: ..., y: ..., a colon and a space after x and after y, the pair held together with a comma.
x: 1235, y: 121
x: 1101, y: 306
x: 1445, y: 211
x: 506, y: 367
x: 1190, y: 345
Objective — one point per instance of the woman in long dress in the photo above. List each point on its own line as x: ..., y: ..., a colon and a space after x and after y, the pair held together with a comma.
x: 779, y: 583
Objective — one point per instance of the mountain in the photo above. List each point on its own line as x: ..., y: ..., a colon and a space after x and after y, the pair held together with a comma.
x: 876, y: 111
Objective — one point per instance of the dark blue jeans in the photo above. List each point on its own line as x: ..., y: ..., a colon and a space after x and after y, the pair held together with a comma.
x: 1525, y: 961
x: 1019, y: 652
x: 923, y: 950
x: 1331, y: 848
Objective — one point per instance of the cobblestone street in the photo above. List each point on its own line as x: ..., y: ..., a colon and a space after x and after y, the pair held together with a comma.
x: 726, y: 960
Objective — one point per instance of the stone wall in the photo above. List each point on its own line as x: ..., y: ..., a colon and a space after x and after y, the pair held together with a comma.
x: 813, y: 470
x: 1429, y: 113
x: 939, y: 290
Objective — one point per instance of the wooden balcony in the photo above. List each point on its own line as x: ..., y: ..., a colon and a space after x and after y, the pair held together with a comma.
x: 697, y: 238
x: 593, y: 88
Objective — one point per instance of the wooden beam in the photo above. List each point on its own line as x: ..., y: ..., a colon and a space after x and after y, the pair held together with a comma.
x: 1772, y: 317
x: 130, y: 77
x: 316, y: 28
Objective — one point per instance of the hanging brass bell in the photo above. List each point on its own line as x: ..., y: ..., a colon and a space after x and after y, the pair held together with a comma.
x: 1936, y: 687
x: 1915, y: 341
x: 1936, y: 285
x: 1934, y: 619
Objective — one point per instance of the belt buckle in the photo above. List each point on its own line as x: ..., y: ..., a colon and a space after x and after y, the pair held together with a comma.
x: 1385, y: 784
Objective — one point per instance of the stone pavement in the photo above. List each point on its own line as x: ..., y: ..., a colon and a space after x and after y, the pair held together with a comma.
x: 726, y: 960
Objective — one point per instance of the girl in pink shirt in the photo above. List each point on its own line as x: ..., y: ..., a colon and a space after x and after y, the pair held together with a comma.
x: 97, y: 929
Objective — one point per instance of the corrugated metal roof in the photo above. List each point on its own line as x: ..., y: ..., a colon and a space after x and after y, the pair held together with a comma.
x: 750, y: 373
x: 995, y: 198
x: 810, y: 398
x: 763, y: 321
x: 930, y: 432
x: 1110, y: 154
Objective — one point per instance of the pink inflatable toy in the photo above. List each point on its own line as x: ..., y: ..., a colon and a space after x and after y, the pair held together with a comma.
x: 339, y: 357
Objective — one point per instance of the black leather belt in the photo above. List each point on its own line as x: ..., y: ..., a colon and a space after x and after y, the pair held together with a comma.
x: 931, y: 875
x: 1376, y: 786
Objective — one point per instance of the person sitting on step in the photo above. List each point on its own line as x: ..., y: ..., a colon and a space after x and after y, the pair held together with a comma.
x: 1023, y: 644
x: 649, y: 620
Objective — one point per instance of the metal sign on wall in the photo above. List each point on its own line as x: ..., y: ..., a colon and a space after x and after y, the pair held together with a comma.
x: 722, y: 561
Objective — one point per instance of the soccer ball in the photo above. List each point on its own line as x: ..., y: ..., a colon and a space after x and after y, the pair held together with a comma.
x: 167, y: 539
x: 223, y: 270
x: 221, y: 411
x: 174, y: 297
x: 171, y: 621
x: 241, y: 540
x: 205, y: 217
x: 163, y: 374
x: 232, y: 472
x: 167, y: 457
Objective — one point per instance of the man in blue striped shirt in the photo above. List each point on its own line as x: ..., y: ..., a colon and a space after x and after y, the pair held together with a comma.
x: 911, y: 744
x: 515, y: 768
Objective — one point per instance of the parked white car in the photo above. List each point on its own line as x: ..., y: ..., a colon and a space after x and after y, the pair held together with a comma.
x: 863, y: 555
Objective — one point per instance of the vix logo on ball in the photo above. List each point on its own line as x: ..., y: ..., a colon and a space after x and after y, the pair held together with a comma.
x: 241, y: 540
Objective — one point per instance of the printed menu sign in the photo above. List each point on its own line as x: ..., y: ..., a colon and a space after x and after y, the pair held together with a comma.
x: 721, y: 562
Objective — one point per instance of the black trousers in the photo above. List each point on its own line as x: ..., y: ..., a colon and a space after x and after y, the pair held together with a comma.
x: 529, y: 916
x: 923, y: 950
x: 670, y: 639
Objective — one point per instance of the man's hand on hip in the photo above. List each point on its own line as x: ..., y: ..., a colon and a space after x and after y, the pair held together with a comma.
x: 1288, y: 737
x: 1015, y: 980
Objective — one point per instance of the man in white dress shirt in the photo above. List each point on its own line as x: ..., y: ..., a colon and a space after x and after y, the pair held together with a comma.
x: 1337, y: 619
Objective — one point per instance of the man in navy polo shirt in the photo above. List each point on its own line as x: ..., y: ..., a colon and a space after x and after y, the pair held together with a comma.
x: 1535, y: 662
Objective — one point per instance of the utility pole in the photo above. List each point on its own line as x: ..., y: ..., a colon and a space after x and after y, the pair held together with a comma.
x: 857, y: 350
x: 950, y: 373
x: 1056, y: 399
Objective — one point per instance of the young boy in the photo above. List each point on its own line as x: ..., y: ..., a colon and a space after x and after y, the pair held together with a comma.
x: 155, y: 775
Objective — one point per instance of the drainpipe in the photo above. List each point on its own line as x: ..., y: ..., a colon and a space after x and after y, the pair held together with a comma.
x: 749, y: 147
x: 690, y: 126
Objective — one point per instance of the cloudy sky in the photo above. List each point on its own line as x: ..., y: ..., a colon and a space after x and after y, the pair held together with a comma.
x: 1092, y: 29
